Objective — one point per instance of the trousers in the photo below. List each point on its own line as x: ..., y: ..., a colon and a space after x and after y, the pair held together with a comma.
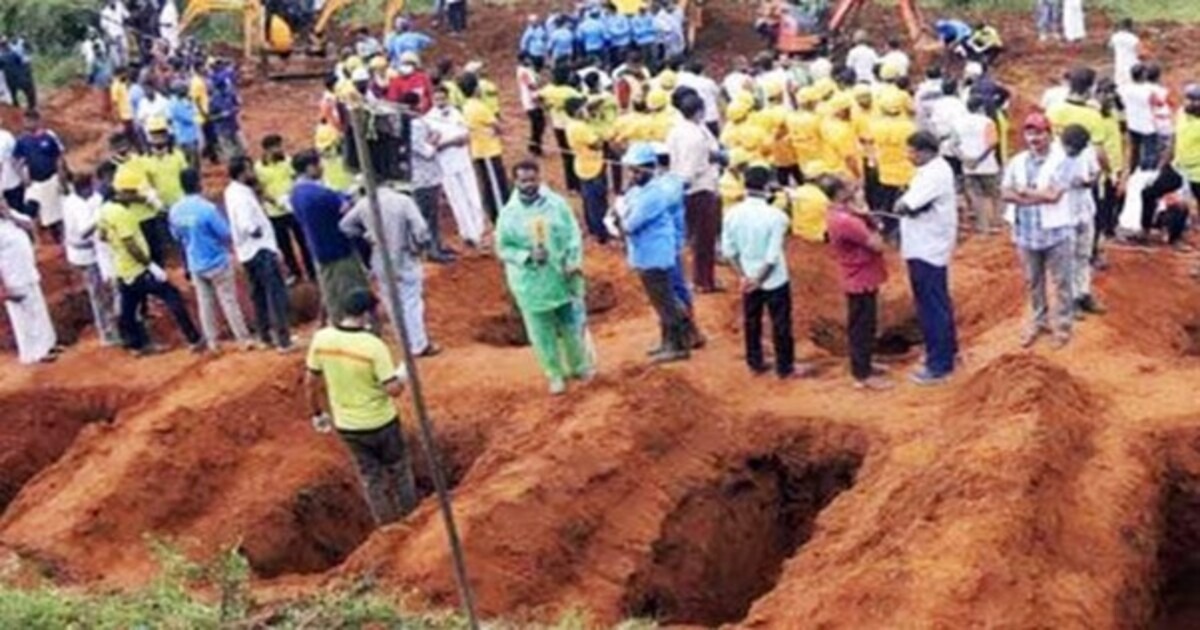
x: 287, y: 231
x: 31, y: 324
x: 537, y: 129
x: 1081, y: 265
x: 213, y: 288
x: 1055, y: 262
x: 935, y: 311
x: 778, y: 304
x: 493, y: 183
x: 100, y: 297
x: 462, y: 193
x: 672, y: 315
x: 410, y: 287
x: 426, y: 199
x: 557, y: 336
x: 270, y: 298
x: 862, y: 317
x: 703, y: 217
x: 568, y: 159
x: 595, y: 206
x: 134, y: 292
x: 384, y: 470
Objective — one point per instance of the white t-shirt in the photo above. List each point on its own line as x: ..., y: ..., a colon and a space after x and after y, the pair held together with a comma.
x: 9, y: 177
x: 735, y: 83
x: 942, y: 116
x: 112, y: 20
x: 862, y: 59
x: 78, y: 218
x: 1125, y: 55
x: 898, y: 59
x: 1054, y: 96
x: 931, y: 235
x: 975, y: 133
x: 1160, y: 103
x: 1139, y: 113
x: 246, y: 215
x: 527, y: 86
x: 156, y: 107
x: 709, y: 92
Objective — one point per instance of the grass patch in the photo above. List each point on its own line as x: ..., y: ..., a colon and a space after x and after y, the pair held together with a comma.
x: 1142, y: 10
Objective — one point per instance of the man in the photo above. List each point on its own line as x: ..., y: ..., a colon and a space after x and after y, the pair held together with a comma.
x: 350, y: 373
x: 895, y: 59
x: 153, y: 106
x: 410, y: 77
x: 274, y: 174
x: 1036, y: 183
x: 1126, y: 47
x: 1137, y: 98
x: 454, y: 160
x: 12, y: 187
x: 17, y: 74
x: 164, y: 168
x: 693, y: 152
x: 710, y: 93
x: 21, y: 290
x: 862, y: 58
x: 254, y: 242
x: 977, y: 146
x: 456, y: 14
x: 184, y: 120
x: 857, y: 246
x: 90, y: 257
x: 1074, y: 24
x: 928, y: 233
x: 204, y: 234
x: 654, y: 244
x: 1180, y: 162
x: 1048, y: 15
x: 619, y: 30
x: 535, y: 42
x: 224, y: 111
x: 588, y: 148
x: 405, y: 40
x: 752, y: 239
x: 41, y: 158
x: 888, y: 150
x: 366, y: 45
x: 946, y: 111
x: 138, y: 275
x: 113, y: 17
x: 483, y: 125
x: 406, y: 236
x: 540, y: 244
x: 592, y: 36
x: 1079, y: 193
x: 528, y: 84
x: 426, y: 179
x: 555, y: 97
x: 319, y: 210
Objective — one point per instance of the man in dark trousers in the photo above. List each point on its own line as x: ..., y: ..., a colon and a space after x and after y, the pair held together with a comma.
x: 18, y: 74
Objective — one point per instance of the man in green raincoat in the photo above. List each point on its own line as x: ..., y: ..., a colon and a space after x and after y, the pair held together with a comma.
x: 539, y: 241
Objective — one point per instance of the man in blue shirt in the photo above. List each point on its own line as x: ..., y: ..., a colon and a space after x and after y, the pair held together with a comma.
x: 654, y: 241
x: 40, y: 155
x: 562, y: 41
x: 534, y: 41
x: 319, y: 210
x: 620, y: 36
x: 645, y: 35
x: 753, y: 240
x: 405, y: 40
x: 592, y: 36
x: 185, y: 127
x: 204, y: 234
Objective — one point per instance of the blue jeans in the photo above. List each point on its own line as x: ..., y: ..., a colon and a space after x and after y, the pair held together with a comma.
x: 679, y: 285
x: 935, y: 312
x: 595, y: 206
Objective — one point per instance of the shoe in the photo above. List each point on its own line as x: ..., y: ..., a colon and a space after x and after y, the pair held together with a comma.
x: 799, y: 371
x: 288, y: 349
x: 587, y: 375
x: 147, y: 351
x: 874, y: 383
x: 558, y: 387
x: 431, y: 350
x: 1030, y: 336
x: 1090, y: 305
x: 442, y: 258
x: 252, y: 345
x: 924, y: 378
x: 201, y: 348
x: 759, y: 370
x: 670, y: 356
x: 291, y: 281
x: 49, y: 358
x: 699, y: 341
x: 879, y: 369
x: 1060, y: 340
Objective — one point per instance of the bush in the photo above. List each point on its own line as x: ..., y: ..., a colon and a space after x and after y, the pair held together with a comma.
x: 49, y: 25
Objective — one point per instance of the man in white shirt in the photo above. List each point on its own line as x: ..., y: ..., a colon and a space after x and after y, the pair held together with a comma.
x: 10, y: 176
x: 528, y: 83
x: 738, y: 80
x: 458, y: 173
x: 1057, y: 94
x: 693, y: 77
x: 943, y: 113
x: 255, y: 246
x: 895, y: 59
x: 862, y: 59
x: 153, y: 106
x: 977, y: 147
x: 90, y: 256
x: 928, y: 234
x: 1126, y: 47
x: 1137, y: 97
x: 168, y: 24
x: 692, y: 149
x: 927, y: 93
x: 21, y: 290
x: 112, y: 21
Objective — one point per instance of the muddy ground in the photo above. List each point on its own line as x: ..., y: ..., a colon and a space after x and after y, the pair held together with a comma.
x: 1038, y: 489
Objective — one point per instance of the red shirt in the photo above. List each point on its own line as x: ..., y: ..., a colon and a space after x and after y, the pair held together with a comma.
x: 418, y: 82
x: 863, y: 269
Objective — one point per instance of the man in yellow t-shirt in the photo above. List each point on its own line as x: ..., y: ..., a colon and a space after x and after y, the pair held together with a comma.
x: 122, y: 106
x: 804, y: 130
x: 275, y: 175
x: 554, y: 97
x: 164, y: 164
x: 628, y: 7
x: 741, y: 133
x: 350, y: 372
x: 843, y: 154
x: 888, y: 151
x: 1077, y: 110
x: 807, y: 204
x: 772, y: 119
x: 138, y: 277
x: 660, y: 117
x: 483, y: 127
x: 587, y: 145
x: 198, y: 92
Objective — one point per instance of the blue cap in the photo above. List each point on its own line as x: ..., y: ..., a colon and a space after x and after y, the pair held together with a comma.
x: 640, y: 154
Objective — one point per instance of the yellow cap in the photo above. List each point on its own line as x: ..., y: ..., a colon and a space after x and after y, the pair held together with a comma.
x: 739, y: 157
x: 773, y: 89
x: 808, y: 95
x: 353, y: 63
x: 326, y: 137
x: 825, y: 88
x: 891, y: 102
x: 815, y: 168
x: 739, y: 109
x: 667, y: 80
x: 377, y: 63
x: 127, y: 180
x: 889, y: 71
x: 861, y: 89
x: 657, y: 99
x: 840, y: 102
x: 156, y: 124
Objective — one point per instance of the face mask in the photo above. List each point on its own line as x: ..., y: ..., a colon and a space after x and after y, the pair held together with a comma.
x: 406, y: 69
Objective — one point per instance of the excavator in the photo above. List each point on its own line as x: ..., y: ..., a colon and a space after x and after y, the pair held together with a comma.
x: 804, y: 26
x: 277, y: 28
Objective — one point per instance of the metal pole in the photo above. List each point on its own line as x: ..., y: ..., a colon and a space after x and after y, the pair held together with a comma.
x: 357, y: 115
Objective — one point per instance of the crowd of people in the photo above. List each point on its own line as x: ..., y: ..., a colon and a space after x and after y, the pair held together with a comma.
x: 664, y: 160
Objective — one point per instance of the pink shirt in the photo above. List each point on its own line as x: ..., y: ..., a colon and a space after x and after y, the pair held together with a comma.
x: 862, y: 268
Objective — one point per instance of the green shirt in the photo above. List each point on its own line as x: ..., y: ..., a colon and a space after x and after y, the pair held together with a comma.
x: 540, y: 287
x: 164, y: 172
x: 355, y: 365
x: 276, y: 180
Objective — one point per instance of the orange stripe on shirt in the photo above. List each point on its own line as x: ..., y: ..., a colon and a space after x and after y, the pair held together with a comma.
x: 343, y: 354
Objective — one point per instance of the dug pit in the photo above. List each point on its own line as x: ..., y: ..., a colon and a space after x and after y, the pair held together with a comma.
x: 1178, y: 560
x: 506, y: 329
x: 891, y: 342
x: 724, y: 545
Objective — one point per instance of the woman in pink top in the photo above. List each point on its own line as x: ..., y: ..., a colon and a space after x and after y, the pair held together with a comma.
x: 857, y: 247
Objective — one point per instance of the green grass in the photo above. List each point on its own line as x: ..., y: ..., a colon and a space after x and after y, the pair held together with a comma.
x: 1144, y: 10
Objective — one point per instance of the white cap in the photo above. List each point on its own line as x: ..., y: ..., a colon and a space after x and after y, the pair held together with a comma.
x: 973, y: 69
x: 473, y: 66
x: 360, y: 74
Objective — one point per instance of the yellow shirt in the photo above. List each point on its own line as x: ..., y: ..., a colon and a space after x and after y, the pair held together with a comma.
x: 140, y: 166
x: 731, y: 189
x: 773, y: 121
x: 809, y: 206
x: 198, y: 92
x: 336, y: 175
x: 603, y: 107
x: 490, y: 95
x: 804, y: 134
x: 277, y: 180
x: 657, y: 125
x: 1114, y: 146
x: 555, y: 97
x: 1187, y: 146
x: 355, y: 365
x: 747, y: 136
x: 843, y: 155
x: 630, y: 127
x: 585, y: 144
x: 454, y: 94
x: 119, y: 94
x: 628, y: 7
x: 890, y: 136
x: 860, y: 118
x: 1066, y: 113
x: 164, y: 172
x: 117, y: 224
x: 481, y: 122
